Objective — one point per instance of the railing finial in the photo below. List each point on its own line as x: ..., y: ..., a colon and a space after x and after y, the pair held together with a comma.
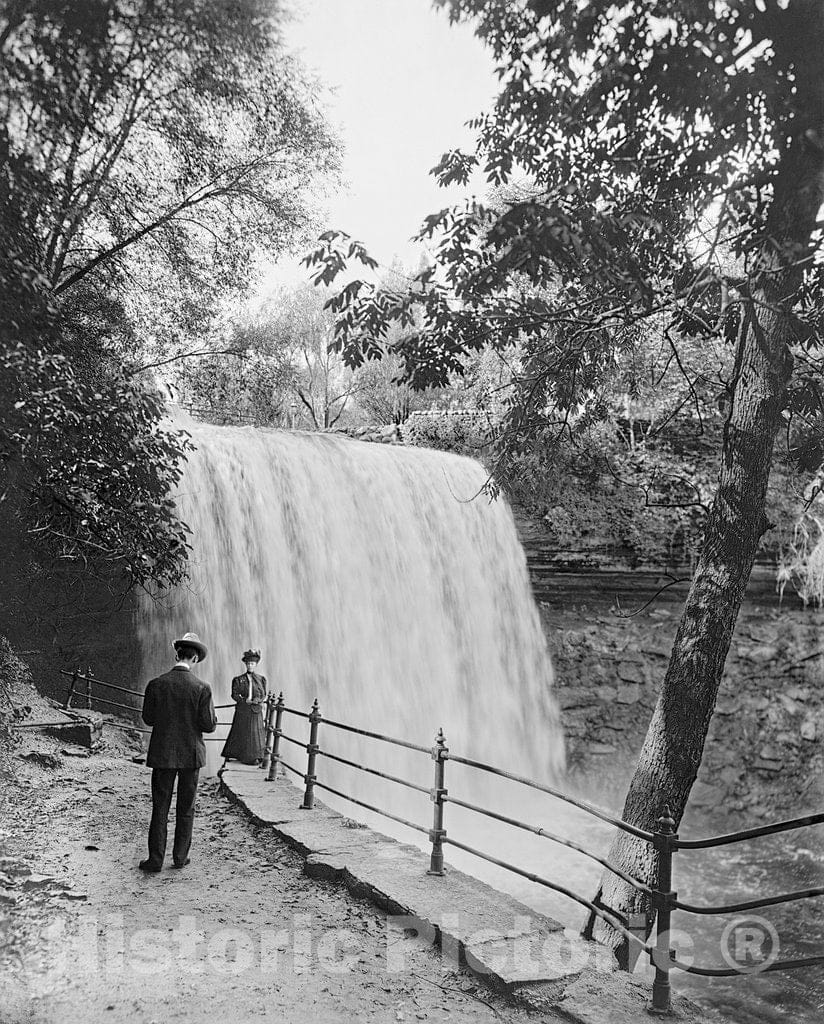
x: 666, y: 823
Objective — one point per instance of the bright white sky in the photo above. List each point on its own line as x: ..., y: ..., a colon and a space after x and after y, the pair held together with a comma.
x: 402, y: 82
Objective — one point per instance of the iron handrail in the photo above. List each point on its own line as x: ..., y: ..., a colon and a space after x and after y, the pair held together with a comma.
x: 297, y: 743
x: 101, y: 682
x: 605, y: 915
x: 731, y: 972
x: 636, y: 883
x: 291, y: 769
x: 378, y: 736
x: 750, y: 833
x: 105, y: 700
x: 664, y: 841
x: 373, y: 771
x: 734, y: 908
x: 371, y: 807
x: 294, y: 711
x: 581, y: 804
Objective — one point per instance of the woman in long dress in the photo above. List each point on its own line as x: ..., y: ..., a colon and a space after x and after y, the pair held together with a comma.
x: 247, y: 737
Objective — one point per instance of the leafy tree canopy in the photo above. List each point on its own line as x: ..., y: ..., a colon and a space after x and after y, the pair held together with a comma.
x: 181, y: 128
x: 633, y: 154
x: 148, y: 153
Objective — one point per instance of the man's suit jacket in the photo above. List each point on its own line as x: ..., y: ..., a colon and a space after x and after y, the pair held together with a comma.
x: 179, y: 708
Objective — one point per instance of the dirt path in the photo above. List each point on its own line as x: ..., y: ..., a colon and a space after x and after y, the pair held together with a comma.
x: 239, y: 935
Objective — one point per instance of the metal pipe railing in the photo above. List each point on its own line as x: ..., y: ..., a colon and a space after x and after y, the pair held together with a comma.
x: 664, y: 839
x: 294, y: 711
x: 312, y: 752
x: 636, y: 883
x: 100, y: 682
x: 291, y: 768
x: 112, y: 703
x: 734, y: 908
x: 732, y: 972
x: 378, y: 736
x: 662, y: 900
x: 552, y: 791
x: 437, y: 834
x: 269, y: 730
x: 291, y: 739
x: 372, y: 807
x: 277, y: 733
x: 751, y: 833
x: 605, y: 915
x: 374, y: 771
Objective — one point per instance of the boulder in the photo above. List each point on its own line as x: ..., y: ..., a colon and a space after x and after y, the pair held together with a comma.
x: 791, y: 705
x: 631, y: 672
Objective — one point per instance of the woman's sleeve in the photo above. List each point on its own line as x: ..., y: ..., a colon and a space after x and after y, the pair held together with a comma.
x: 238, y: 692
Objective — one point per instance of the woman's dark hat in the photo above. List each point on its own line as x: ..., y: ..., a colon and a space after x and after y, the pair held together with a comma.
x: 192, y: 640
x: 251, y: 655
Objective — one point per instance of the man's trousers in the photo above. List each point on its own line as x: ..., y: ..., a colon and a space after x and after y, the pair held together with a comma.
x: 163, y: 781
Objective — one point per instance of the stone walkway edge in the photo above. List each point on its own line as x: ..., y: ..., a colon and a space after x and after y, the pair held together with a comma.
x: 509, y: 946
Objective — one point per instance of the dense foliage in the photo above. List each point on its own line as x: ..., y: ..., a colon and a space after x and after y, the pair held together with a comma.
x: 149, y: 153
x: 633, y: 152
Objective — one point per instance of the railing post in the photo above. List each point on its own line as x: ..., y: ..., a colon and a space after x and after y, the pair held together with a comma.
x: 312, y: 750
x: 88, y: 688
x: 72, y: 686
x: 270, y: 732
x: 662, y: 900
x: 276, y: 734
x: 437, y: 833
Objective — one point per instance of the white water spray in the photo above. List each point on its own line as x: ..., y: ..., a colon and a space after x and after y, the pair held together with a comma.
x: 381, y: 581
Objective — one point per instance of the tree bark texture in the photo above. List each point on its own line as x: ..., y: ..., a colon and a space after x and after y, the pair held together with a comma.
x: 673, y: 747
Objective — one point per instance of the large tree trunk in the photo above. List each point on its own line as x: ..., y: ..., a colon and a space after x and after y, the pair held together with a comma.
x: 674, y: 744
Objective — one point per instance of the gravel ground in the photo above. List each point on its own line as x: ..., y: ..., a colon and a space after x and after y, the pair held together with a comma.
x: 239, y: 935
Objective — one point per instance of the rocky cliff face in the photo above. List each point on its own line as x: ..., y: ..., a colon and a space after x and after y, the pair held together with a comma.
x: 765, y: 751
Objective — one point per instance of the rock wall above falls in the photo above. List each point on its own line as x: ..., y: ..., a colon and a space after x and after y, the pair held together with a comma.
x: 765, y: 750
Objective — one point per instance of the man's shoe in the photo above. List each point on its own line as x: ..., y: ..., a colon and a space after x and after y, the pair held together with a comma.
x: 181, y: 863
x: 146, y: 865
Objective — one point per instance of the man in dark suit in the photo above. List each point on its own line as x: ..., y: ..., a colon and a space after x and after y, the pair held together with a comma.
x: 180, y: 709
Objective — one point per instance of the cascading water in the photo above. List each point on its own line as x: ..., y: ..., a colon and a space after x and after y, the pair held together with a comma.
x: 381, y: 581
x: 374, y: 578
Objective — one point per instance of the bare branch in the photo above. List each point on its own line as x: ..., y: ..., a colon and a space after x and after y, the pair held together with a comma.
x: 185, y: 355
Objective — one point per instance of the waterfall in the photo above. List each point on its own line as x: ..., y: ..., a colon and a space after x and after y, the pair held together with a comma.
x: 380, y: 580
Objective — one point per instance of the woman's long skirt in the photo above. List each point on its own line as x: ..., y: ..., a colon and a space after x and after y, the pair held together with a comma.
x: 247, y: 737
